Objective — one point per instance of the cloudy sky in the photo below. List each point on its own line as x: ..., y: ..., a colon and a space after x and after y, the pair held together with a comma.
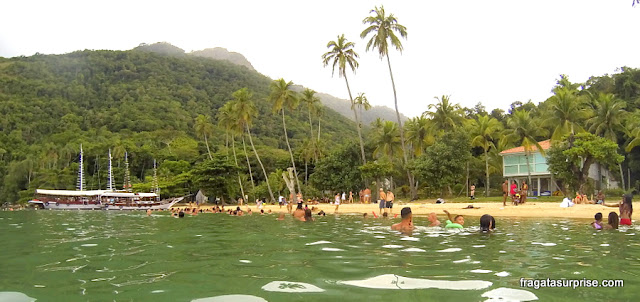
x: 493, y: 52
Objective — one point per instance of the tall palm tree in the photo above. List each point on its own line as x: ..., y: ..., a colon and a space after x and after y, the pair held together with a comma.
x: 226, y: 118
x: 524, y: 129
x: 242, y: 103
x: 445, y: 116
x: 383, y: 29
x: 566, y: 113
x: 204, y: 129
x: 361, y: 102
x: 245, y: 112
x: 419, y: 134
x: 282, y: 98
x: 309, y: 98
x: 484, y: 131
x: 341, y: 54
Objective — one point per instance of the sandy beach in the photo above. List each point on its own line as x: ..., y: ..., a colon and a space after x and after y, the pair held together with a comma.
x: 496, y: 209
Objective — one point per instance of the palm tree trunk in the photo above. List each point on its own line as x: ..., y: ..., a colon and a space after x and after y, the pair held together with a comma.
x: 205, y: 142
x: 235, y: 158
x: 414, y: 193
x: 621, y: 177
x: 355, y: 113
x: 261, y: 165
x: 526, y: 156
x: 486, y: 164
x: 310, y: 125
x: 244, y: 146
x: 286, y: 138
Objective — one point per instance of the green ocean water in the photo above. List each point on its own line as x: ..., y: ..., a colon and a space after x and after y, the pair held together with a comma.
x: 127, y: 256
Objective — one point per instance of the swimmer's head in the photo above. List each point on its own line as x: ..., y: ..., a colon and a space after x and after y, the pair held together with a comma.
x: 613, y: 220
x: 299, y: 206
x: 598, y: 216
x: 487, y: 223
x: 433, y: 217
x: 405, y: 213
x: 459, y: 220
x: 385, y: 215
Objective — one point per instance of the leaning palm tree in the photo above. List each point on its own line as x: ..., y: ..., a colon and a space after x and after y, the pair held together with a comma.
x: 341, y: 54
x: 227, y: 120
x: 524, y: 129
x: 566, y: 113
x: 204, y: 129
x: 383, y: 29
x: 445, y: 116
x: 282, y: 98
x: 309, y: 98
x: 484, y: 131
x: 245, y: 112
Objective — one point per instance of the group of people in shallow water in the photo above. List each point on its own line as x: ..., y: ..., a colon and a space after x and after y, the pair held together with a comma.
x: 626, y: 210
x: 487, y: 222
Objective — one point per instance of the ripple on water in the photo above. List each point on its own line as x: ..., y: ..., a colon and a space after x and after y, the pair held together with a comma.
x: 450, y: 250
x: 544, y: 243
x: 509, y: 294
x: 245, y: 261
x: 319, y: 242
x: 392, y: 246
x: 391, y: 281
x: 480, y: 271
x: 410, y: 239
x: 413, y: 249
x: 332, y: 249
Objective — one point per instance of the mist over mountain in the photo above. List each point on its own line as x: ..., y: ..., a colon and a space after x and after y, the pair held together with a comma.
x: 341, y: 106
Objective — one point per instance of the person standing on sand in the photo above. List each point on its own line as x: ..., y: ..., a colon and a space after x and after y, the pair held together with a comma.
x: 472, y: 195
x: 406, y: 225
x: 337, y: 202
x: 367, y: 195
x: 381, y: 200
x: 389, y: 201
x: 514, y: 188
x: 505, y: 192
x: 344, y: 197
x: 361, y: 195
x: 350, y: 196
x: 524, y: 191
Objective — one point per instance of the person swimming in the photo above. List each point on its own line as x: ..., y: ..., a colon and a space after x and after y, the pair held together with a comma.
x: 487, y: 223
x: 612, y: 223
x: 597, y: 224
x: 433, y: 219
x: 307, y: 215
x: 456, y: 223
x: 406, y: 225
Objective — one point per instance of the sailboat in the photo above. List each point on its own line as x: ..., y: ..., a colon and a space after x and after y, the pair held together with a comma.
x: 109, y: 199
x: 125, y: 199
x: 80, y: 199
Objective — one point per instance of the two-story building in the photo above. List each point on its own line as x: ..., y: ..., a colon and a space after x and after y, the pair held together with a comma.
x: 514, y: 167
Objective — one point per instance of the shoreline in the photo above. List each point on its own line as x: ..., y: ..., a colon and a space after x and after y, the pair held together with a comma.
x: 531, y: 209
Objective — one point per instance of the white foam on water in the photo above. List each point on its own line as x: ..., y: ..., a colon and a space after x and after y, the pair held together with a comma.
x: 461, y: 261
x: 464, y: 233
x: 502, y: 252
x: 410, y: 239
x: 630, y: 234
x: 509, y: 294
x: 544, y: 243
x: 433, y: 235
x: 392, y: 246
x: 391, y: 281
x: 71, y: 229
x: 413, y: 249
x: 379, y: 237
x: 291, y: 287
x: 450, y: 250
x: 245, y: 261
x: 170, y: 246
x: 558, y: 258
x: 332, y: 249
x: 89, y: 244
x: 475, y: 262
x: 604, y: 244
x: 565, y: 228
x: 502, y: 274
x: 39, y: 286
x: 319, y: 242
x: 15, y: 297
x: 481, y: 245
x: 157, y: 291
x: 198, y: 235
x: 567, y: 238
x: 231, y: 298
x: 510, y: 240
x: 339, y: 257
x: 480, y: 271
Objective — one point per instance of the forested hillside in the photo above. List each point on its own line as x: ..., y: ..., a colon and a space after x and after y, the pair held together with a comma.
x: 142, y: 103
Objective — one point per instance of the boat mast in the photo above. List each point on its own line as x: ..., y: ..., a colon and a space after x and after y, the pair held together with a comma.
x: 80, y: 185
x: 156, y: 187
x: 127, y: 175
x: 110, y: 176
